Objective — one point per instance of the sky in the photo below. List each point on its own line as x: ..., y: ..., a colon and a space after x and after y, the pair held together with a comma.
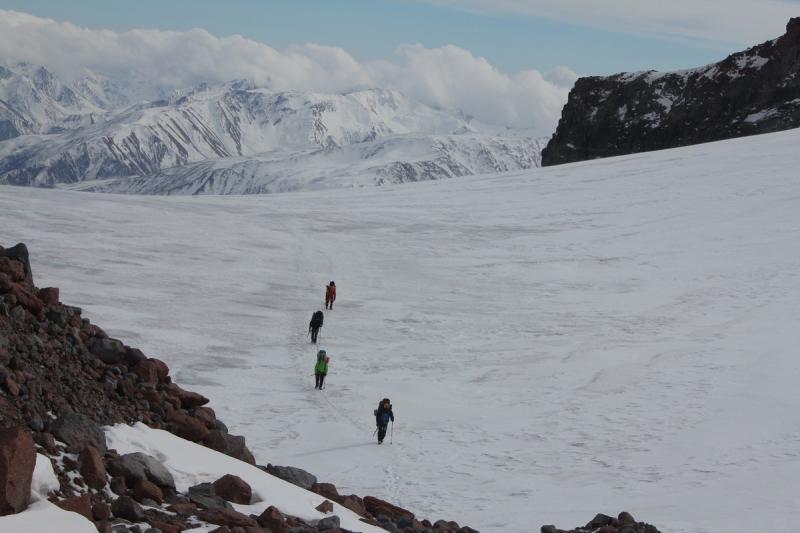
x: 510, y: 60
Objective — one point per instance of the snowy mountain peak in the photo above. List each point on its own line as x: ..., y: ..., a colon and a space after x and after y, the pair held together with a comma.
x: 57, y: 132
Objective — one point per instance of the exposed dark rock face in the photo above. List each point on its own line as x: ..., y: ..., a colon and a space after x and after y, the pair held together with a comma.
x: 750, y: 92
x: 601, y: 523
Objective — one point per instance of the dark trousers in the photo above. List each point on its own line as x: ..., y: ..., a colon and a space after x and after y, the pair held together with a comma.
x: 314, y: 332
x: 381, y: 432
x: 328, y: 303
x: 320, y: 380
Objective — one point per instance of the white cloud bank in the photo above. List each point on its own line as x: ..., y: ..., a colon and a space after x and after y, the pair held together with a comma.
x: 447, y: 77
x: 709, y: 21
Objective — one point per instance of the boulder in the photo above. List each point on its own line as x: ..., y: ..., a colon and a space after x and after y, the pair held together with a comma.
x: 205, y: 496
x: 139, y: 466
x: 19, y: 254
x: 134, y: 356
x: 78, y: 431
x: 187, y: 426
x: 325, y: 507
x: 236, y: 447
x: 109, y: 351
x: 226, y: 517
x: 17, y: 461
x: 188, y: 399
x: 206, y: 415
x: 26, y: 298
x: 147, y: 370
x: 295, y: 476
x: 79, y: 504
x: 326, y: 489
x: 273, y: 520
x: 183, y: 509
x: 92, y: 467
x: 234, y: 489
x: 354, y: 503
x: 330, y: 522
x: 625, y: 518
x: 127, y: 508
x: 49, y: 296
x: 147, y: 490
x: 599, y: 520
x: 377, y: 507
x: 101, y: 511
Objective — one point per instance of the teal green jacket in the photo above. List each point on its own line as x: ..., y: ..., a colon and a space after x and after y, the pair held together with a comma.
x: 321, y: 367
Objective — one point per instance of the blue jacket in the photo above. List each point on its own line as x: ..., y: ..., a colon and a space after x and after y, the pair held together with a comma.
x: 382, y: 416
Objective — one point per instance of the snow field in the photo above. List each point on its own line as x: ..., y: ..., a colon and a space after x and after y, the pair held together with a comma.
x: 604, y: 336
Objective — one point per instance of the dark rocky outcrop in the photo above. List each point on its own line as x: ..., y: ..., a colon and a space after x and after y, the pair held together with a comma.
x: 601, y: 523
x: 750, y: 92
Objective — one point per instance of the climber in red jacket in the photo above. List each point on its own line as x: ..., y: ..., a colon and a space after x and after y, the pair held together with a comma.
x: 330, y: 295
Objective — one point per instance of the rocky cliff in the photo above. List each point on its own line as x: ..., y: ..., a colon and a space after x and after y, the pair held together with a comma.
x: 750, y: 92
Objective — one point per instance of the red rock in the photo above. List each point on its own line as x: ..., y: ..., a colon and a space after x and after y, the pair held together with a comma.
x: 188, y: 427
x: 273, y: 520
x: 49, y: 296
x: 26, y: 298
x: 166, y: 527
x: 80, y: 504
x: 188, y: 399
x: 5, y: 282
x: 226, y: 517
x: 354, y: 503
x: 161, y: 368
x: 17, y: 460
x: 147, y: 371
x: 153, y: 397
x: 221, y: 529
x: 216, y: 441
x: 234, y: 489
x: 377, y: 507
x: 11, y: 386
x: 183, y: 509
x: 325, y: 507
x: 207, y: 415
x: 326, y: 489
x: 147, y: 489
x: 92, y: 468
x: 14, y: 269
x: 101, y: 511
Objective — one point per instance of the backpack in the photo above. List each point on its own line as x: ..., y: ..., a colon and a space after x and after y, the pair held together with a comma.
x: 316, y: 319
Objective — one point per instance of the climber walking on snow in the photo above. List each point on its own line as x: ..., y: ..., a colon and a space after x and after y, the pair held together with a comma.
x: 383, y: 414
x: 315, y: 325
x: 321, y: 369
x: 330, y: 295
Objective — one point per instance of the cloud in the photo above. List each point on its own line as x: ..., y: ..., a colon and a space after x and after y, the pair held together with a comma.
x: 706, y: 21
x: 447, y: 77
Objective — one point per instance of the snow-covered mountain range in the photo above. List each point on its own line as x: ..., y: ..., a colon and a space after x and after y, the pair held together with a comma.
x: 236, y: 138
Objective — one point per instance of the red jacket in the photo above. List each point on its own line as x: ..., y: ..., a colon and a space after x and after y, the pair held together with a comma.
x: 330, y: 293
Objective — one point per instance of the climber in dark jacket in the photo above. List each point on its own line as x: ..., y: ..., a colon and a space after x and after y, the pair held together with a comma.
x: 383, y: 414
x: 315, y: 324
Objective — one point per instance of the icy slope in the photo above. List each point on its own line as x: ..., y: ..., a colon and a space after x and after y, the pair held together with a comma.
x: 608, y: 335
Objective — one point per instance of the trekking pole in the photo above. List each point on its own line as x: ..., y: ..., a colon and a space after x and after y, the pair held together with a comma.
x: 391, y: 435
